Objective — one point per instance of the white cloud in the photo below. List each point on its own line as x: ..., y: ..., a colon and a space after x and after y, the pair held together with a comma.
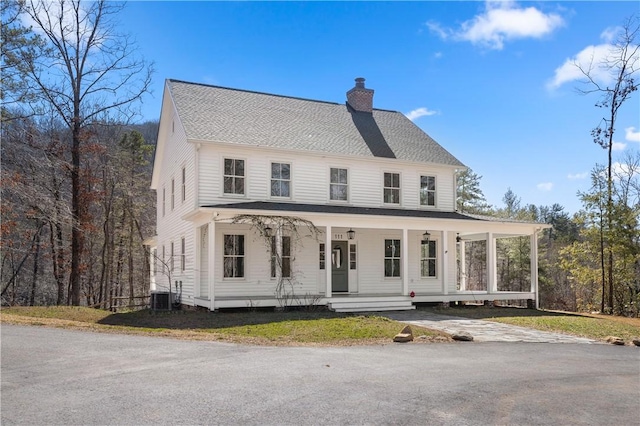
x: 545, y: 186
x: 437, y: 55
x: 501, y: 21
x: 631, y: 135
x: 622, y: 170
x: 419, y: 112
x: 577, y: 176
x: 618, y: 146
x: 591, y: 59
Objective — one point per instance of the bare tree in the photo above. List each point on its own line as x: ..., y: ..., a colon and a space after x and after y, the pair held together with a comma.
x: 89, y: 72
x: 622, y: 65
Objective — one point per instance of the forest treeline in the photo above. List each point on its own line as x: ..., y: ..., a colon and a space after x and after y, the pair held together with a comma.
x: 76, y: 204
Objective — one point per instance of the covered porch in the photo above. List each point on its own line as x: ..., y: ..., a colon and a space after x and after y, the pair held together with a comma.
x: 363, y: 259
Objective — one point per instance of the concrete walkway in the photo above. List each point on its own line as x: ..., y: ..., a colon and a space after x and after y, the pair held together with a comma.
x: 483, y: 331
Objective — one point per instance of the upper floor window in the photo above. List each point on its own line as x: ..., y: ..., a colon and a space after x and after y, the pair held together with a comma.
x: 428, y: 257
x: 233, y: 260
x: 391, y: 258
x: 184, y: 184
x: 173, y: 193
x: 234, y: 176
x: 164, y: 200
x: 285, y: 257
x: 339, y: 184
x: 392, y: 188
x: 428, y: 191
x: 280, y: 180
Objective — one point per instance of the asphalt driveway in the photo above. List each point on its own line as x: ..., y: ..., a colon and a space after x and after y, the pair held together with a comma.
x: 52, y: 376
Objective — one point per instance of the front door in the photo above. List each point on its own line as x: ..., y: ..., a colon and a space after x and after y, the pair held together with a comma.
x: 339, y: 266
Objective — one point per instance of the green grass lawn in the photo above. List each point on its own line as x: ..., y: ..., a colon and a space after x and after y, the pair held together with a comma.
x: 261, y: 327
x: 597, y: 327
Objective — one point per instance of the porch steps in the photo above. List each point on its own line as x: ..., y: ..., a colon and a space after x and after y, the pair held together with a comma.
x: 371, y: 305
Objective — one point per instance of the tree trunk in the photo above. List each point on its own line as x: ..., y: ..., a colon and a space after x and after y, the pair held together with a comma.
x: 36, y: 259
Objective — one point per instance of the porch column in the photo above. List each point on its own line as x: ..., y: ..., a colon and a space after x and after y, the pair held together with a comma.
x: 405, y: 262
x: 197, y: 246
x: 534, y: 266
x: 328, y: 265
x: 152, y: 268
x: 445, y: 262
x: 212, y: 263
x: 463, y: 266
x: 492, y: 270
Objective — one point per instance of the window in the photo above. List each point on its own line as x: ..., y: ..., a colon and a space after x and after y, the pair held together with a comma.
x: 428, y: 259
x: 428, y: 191
x: 233, y: 176
x: 391, y: 258
x: 352, y: 256
x: 164, y: 199
x: 171, y: 258
x: 280, y: 179
x: 184, y: 184
x: 322, y: 256
x: 164, y: 265
x: 285, y: 256
x: 233, y: 260
x: 338, y: 186
x: 392, y: 188
x: 173, y: 193
x: 183, y: 255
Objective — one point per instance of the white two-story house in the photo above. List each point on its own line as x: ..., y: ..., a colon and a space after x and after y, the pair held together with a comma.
x: 265, y: 200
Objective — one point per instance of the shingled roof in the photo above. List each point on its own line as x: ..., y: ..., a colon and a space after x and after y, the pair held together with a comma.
x: 213, y: 113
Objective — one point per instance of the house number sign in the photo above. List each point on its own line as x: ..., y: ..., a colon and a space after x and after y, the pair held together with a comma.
x: 339, y: 237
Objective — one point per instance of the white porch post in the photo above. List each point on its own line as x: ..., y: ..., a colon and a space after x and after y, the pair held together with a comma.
x: 534, y: 266
x: 328, y: 265
x: 212, y: 262
x: 463, y: 266
x: 405, y: 262
x: 197, y: 245
x: 152, y: 268
x: 492, y: 270
x: 445, y: 262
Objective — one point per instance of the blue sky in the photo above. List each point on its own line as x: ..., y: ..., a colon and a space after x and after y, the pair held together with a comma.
x: 488, y: 80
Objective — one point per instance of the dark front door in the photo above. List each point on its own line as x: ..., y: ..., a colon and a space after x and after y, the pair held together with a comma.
x: 339, y: 266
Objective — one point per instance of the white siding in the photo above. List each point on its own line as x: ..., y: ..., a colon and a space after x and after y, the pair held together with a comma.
x: 310, y: 178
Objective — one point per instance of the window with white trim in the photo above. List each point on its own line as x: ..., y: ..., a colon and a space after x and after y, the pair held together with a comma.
x: 184, y: 184
x: 183, y: 255
x: 428, y: 191
x: 173, y: 194
x: 428, y: 259
x: 233, y: 256
x: 164, y: 200
x: 280, y: 180
x: 338, y: 184
x: 322, y: 252
x: 234, y: 176
x: 391, y: 258
x: 391, y: 188
x: 285, y: 256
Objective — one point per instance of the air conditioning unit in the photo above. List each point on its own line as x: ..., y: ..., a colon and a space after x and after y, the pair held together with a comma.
x: 161, y: 300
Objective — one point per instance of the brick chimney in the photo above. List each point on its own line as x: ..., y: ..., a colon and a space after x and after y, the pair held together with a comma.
x: 359, y: 98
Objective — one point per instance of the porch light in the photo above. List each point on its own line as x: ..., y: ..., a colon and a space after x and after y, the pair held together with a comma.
x: 426, y: 236
x: 458, y: 239
x: 351, y: 234
x: 267, y: 231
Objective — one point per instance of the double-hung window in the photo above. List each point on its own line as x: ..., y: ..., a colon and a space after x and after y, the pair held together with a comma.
x: 391, y: 258
x: 392, y: 188
x: 339, y: 184
x: 285, y: 257
x: 233, y: 260
x: 280, y: 180
x: 428, y: 257
x: 428, y: 191
x: 234, y: 176
x: 184, y: 184
x: 183, y: 255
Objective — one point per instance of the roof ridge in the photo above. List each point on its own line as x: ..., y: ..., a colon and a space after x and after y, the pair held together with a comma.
x: 173, y: 80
